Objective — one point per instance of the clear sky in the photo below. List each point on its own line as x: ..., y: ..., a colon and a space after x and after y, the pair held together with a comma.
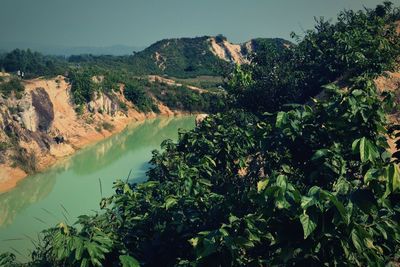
x: 142, y: 22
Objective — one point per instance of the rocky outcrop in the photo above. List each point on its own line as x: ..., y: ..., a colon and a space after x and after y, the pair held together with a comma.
x: 43, y: 126
x: 237, y: 53
x: 43, y: 108
x: 103, y: 103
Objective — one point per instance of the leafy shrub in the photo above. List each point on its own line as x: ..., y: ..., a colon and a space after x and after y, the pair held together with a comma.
x: 123, y: 106
x: 136, y: 94
x: 80, y: 109
x: 306, y: 185
x: 13, y: 85
x: 310, y: 186
x: 363, y: 42
x: 183, y: 98
x: 33, y: 64
x: 82, y: 86
x: 107, y: 126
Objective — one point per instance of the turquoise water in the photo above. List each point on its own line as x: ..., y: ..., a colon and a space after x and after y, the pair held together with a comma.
x: 72, y: 187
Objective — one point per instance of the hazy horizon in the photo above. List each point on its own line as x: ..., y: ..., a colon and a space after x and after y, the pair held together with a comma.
x: 137, y: 24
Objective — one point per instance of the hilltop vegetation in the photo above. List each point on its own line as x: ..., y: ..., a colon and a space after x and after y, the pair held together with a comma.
x: 143, y: 93
x: 33, y: 64
x: 269, y: 182
x: 192, y: 61
x: 180, y: 57
x: 188, y: 57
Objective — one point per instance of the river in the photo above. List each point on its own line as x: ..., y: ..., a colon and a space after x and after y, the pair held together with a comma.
x: 74, y: 186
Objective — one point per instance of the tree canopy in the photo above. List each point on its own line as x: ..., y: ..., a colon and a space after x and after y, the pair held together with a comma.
x: 266, y: 184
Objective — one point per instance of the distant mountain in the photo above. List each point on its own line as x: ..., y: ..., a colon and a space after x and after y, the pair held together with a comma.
x: 179, y: 57
x: 59, y: 50
x: 205, y: 55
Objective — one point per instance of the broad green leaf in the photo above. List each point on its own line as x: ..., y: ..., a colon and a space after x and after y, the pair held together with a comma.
x: 170, y: 201
x: 307, y: 202
x: 331, y: 87
x: 286, y: 168
x: 128, y: 261
x: 280, y: 118
x: 84, y: 262
x: 320, y: 153
x: 339, y: 205
x: 372, y: 174
x: 393, y: 177
x: 78, y: 248
x: 357, y: 240
x: 367, y: 150
x: 357, y: 92
x: 211, y: 160
x: 261, y: 185
x: 308, y: 224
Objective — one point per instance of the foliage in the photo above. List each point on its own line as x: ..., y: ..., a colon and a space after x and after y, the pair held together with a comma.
x: 12, y: 85
x: 184, y: 57
x: 304, y: 185
x: 135, y: 93
x: 186, y: 99
x: 107, y: 126
x: 82, y: 86
x: 363, y: 42
x: 33, y: 64
x: 310, y: 186
x: 8, y: 260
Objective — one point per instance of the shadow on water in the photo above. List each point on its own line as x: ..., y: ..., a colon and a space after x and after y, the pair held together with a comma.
x: 38, y: 201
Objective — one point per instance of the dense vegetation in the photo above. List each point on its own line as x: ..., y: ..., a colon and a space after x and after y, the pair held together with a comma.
x: 266, y: 185
x: 33, y: 64
x: 141, y: 92
x: 184, y: 98
x: 185, y: 57
x: 359, y: 43
x: 134, y: 91
x: 9, y: 85
x: 82, y: 86
x: 181, y: 58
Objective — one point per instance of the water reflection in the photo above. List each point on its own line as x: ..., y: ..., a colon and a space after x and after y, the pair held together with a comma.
x: 74, y: 182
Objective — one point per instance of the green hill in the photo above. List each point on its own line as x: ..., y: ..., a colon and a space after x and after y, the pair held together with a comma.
x: 189, y: 57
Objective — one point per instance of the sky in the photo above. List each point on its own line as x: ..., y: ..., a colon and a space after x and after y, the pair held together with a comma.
x: 142, y: 22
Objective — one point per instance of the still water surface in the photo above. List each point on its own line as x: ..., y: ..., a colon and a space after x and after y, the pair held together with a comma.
x: 38, y: 202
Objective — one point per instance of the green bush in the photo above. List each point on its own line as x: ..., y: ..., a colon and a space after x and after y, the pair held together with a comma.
x: 80, y: 109
x: 135, y: 93
x: 363, y: 42
x: 33, y: 64
x: 123, y: 106
x: 185, y: 99
x: 305, y: 185
x: 13, y: 85
x: 107, y: 126
x: 82, y: 86
x: 312, y: 186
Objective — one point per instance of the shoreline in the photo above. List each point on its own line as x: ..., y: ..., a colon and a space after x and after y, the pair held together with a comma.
x: 10, y: 177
